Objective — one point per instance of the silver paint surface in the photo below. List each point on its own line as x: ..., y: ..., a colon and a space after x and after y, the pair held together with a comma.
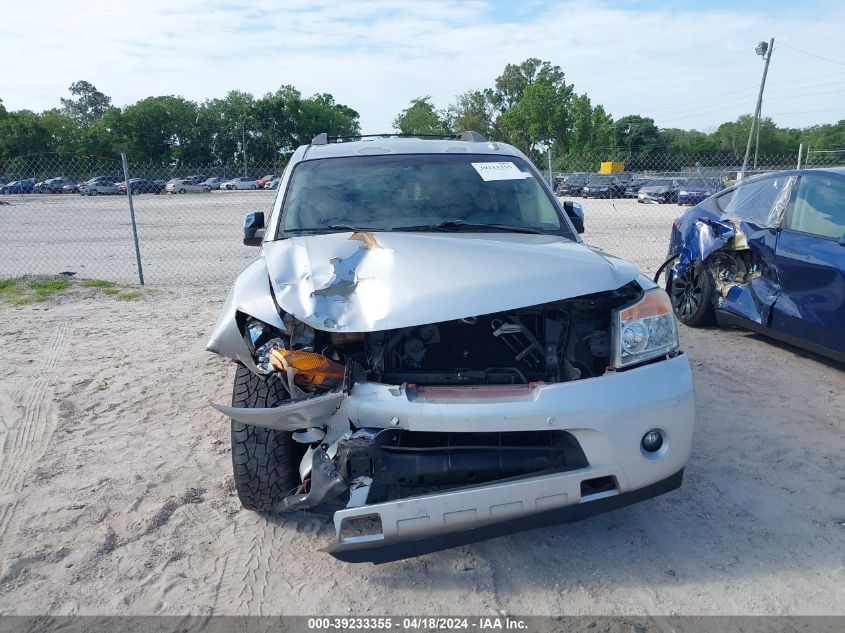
x: 365, y: 282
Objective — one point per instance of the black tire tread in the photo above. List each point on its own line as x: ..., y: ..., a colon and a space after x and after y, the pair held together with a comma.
x: 262, y: 459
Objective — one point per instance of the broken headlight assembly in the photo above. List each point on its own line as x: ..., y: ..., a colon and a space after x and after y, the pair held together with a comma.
x: 644, y: 330
x: 291, y: 353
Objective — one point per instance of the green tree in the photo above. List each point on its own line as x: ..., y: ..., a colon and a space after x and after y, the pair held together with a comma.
x: 636, y: 134
x: 321, y: 113
x: 471, y: 111
x: 65, y: 133
x: 421, y: 118
x: 603, y: 128
x: 22, y: 133
x: 88, y: 106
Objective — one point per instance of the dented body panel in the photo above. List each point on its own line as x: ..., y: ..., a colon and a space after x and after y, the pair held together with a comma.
x: 796, y: 289
x: 346, y: 282
x: 250, y: 295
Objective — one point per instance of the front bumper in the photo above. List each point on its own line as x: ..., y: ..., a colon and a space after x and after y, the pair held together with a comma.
x: 486, y: 512
x: 607, y: 415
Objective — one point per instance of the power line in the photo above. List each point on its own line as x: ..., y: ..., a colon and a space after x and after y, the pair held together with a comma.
x: 731, y: 105
x: 807, y: 112
x: 807, y: 94
x: 800, y: 50
x: 739, y: 101
x: 719, y: 97
x: 825, y: 75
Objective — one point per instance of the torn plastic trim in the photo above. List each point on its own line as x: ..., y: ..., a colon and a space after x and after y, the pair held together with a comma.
x: 311, y: 412
x: 325, y: 483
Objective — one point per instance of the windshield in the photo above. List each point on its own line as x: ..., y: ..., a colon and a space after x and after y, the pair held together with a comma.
x: 418, y: 192
x: 698, y: 184
x: 659, y: 183
x: 601, y: 180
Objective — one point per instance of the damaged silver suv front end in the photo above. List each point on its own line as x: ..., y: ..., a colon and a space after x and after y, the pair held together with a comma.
x: 447, y: 388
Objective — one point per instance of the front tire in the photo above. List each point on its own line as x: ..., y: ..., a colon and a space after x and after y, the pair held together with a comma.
x: 263, y: 460
x: 692, y: 295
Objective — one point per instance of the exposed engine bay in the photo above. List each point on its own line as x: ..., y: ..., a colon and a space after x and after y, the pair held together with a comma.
x: 556, y: 342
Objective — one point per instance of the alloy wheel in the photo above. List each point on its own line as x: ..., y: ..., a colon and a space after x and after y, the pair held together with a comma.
x: 687, y: 292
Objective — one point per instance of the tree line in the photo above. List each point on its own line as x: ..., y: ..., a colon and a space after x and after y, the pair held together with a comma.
x: 175, y: 131
x: 530, y: 105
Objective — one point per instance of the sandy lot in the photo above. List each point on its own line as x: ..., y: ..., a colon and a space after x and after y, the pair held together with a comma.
x: 116, y: 497
x: 196, y: 238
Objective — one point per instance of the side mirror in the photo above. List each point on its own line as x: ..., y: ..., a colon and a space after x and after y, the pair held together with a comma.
x: 575, y: 213
x: 254, y: 228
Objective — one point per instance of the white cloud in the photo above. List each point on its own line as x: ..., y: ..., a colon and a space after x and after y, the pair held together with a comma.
x: 375, y: 55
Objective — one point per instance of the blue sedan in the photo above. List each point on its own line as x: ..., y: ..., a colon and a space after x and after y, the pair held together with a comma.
x: 18, y: 186
x: 768, y: 255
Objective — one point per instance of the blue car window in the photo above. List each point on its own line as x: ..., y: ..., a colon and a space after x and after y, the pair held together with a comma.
x: 819, y: 206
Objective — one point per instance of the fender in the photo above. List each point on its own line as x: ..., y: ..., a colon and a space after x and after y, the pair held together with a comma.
x: 250, y: 295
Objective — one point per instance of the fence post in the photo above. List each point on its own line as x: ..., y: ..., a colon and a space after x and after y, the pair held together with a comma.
x: 132, y: 216
x: 800, y: 149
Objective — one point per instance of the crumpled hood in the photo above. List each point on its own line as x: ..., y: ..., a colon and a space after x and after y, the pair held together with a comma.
x: 362, y: 282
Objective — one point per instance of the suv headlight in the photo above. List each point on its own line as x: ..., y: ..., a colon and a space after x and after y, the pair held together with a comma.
x: 644, y: 330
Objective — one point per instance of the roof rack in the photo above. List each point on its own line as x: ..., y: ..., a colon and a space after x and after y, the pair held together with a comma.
x: 471, y: 137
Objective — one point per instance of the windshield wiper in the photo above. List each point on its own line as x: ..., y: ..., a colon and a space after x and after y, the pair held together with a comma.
x: 458, y: 225
x: 332, y: 228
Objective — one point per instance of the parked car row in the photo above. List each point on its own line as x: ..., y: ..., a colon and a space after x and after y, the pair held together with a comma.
x: 646, y: 189
x: 114, y: 184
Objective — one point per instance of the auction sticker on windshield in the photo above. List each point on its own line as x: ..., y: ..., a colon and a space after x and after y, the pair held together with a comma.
x: 499, y: 171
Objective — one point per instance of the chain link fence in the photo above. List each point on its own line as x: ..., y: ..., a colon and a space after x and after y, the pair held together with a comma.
x: 71, y: 214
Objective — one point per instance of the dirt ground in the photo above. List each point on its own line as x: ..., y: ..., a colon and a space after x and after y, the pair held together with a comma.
x: 116, y: 493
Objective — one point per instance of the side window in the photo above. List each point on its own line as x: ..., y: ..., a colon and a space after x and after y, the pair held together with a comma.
x: 819, y: 206
x: 752, y: 201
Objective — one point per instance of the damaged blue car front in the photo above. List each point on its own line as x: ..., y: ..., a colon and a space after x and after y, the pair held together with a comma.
x: 769, y: 255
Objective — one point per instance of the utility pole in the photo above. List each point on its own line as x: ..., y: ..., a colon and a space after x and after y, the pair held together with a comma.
x: 551, y: 178
x: 762, y: 50
x: 243, y: 145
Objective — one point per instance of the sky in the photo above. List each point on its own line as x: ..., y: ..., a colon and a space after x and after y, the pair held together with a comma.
x: 685, y: 64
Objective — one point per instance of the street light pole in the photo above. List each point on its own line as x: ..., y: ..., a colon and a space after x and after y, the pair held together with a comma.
x: 762, y: 49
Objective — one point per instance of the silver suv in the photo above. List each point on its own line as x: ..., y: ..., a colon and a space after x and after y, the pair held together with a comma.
x: 425, y: 345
